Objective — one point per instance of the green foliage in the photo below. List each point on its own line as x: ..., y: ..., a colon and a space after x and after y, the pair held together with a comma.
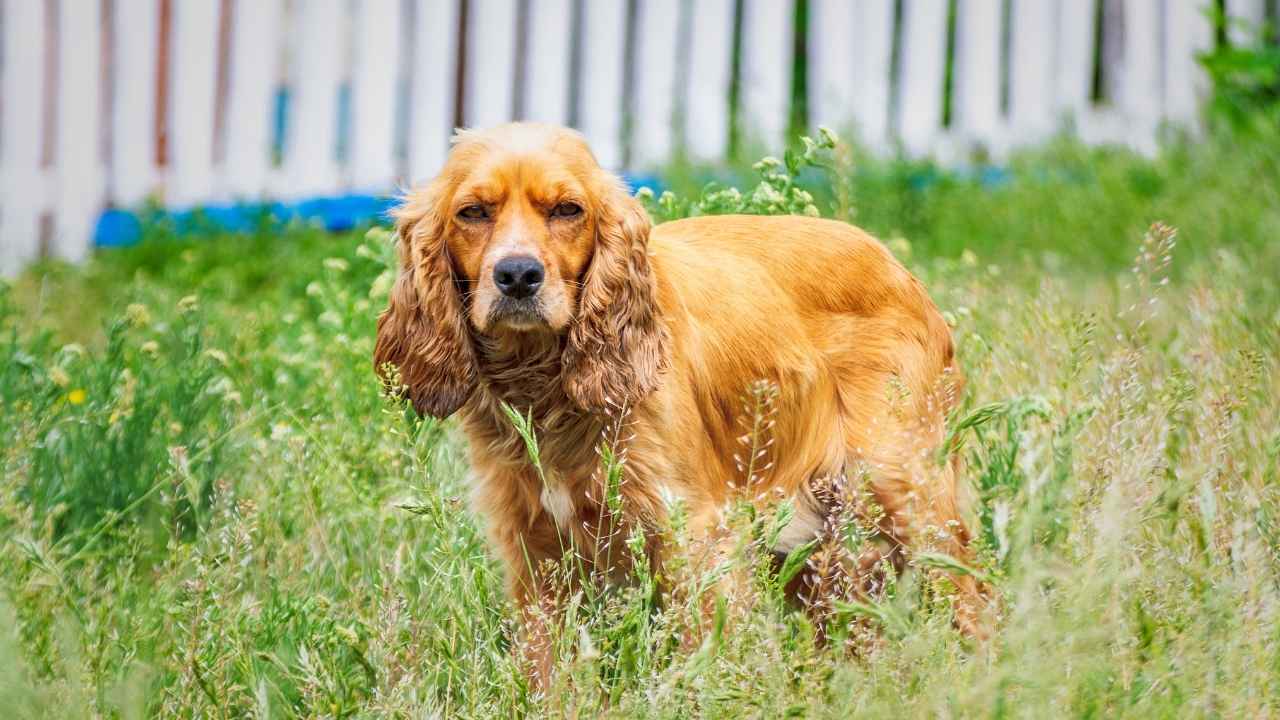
x: 778, y: 191
x: 1062, y: 207
x: 208, y: 508
x: 119, y: 432
x: 1246, y: 78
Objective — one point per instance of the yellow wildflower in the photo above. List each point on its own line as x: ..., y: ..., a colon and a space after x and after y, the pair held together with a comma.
x: 77, y: 396
x: 138, y: 315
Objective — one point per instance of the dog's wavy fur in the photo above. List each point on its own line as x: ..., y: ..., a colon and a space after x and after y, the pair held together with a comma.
x: 664, y: 329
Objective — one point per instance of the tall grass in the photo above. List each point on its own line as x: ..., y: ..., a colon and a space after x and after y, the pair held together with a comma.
x: 207, y: 508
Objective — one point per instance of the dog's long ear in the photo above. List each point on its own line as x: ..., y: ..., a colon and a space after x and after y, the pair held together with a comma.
x: 617, y: 345
x: 423, y: 332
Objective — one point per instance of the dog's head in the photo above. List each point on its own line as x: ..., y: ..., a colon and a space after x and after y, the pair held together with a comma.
x: 522, y: 232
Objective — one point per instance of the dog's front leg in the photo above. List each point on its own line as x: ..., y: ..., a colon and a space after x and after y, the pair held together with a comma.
x: 525, y: 539
x: 536, y: 599
x: 539, y: 585
x: 712, y: 573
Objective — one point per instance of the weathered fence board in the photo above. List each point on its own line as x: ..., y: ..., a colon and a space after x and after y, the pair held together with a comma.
x: 22, y: 179
x: 922, y: 60
x: 976, y: 114
x: 600, y: 103
x: 1142, y: 85
x: 832, y: 60
x: 1189, y: 32
x: 546, y: 70
x: 375, y: 93
x: 491, y: 62
x: 1075, y: 52
x: 766, y: 70
x: 193, y: 62
x: 873, y: 70
x: 654, y: 106
x: 706, y: 106
x: 432, y: 85
x: 1247, y: 18
x: 133, y: 172
x: 253, y: 74
x: 1032, y: 64
x: 78, y: 147
x: 197, y: 101
x: 316, y: 72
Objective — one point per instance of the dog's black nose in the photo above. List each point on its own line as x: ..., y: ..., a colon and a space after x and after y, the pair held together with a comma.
x: 518, y: 277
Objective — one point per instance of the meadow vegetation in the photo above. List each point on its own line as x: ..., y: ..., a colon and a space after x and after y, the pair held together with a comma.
x: 209, y: 509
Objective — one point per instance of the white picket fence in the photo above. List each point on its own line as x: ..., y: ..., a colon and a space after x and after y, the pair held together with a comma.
x: 106, y: 103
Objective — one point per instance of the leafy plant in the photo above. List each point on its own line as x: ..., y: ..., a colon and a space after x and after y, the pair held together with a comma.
x: 1246, y: 78
x: 777, y: 192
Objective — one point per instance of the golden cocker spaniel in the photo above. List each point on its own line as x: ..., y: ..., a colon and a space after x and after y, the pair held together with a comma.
x: 532, y: 278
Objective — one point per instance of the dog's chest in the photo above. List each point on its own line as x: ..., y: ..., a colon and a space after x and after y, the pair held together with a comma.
x: 559, y: 502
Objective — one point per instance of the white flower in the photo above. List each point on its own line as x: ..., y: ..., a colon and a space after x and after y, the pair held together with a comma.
x: 59, y: 376
x: 768, y: 162
x: 381, y: 285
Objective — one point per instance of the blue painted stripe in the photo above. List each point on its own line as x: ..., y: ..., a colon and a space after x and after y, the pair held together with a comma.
x: 120, y: 228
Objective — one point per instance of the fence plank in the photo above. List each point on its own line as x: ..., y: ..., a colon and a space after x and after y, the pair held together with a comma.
x: 1075, y: 54
x: 133, y: 174
x: 874, y: 43
x: 1246, y: 18
x: 78, y: 147
x: 1152, y: 76
x: 706, y: 105
x: 22, y: 194
x: 923, y: 61
x: 545, y: 76
x: 253, y: 77
x: 600, y: 104
x: 316, y: 73
x: 374, y: 87
x: 491, y: 59
x: 193, y: 59
x: 1032, y: 57
x: 1189, y: 32
x: 767, y: 37
x: 656, y: 39
x: 1141, y: 96
x: 977, y: 73
x: 832, y: 24
x: 432, y: 85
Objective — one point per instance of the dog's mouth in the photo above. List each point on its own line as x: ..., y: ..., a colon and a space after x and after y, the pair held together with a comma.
x: 517, y: 314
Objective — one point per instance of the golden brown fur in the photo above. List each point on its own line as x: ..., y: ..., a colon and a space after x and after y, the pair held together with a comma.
x: 668, y: 326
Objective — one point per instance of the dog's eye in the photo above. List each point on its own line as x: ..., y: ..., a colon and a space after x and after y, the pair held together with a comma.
x: 566, y: 210
x: 473, y: 212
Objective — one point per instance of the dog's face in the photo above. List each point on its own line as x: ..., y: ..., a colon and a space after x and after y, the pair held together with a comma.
x: 521, y: 228
x: 522, y: 232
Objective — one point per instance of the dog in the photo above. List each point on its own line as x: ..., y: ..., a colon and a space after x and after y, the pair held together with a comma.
x: 533, y: 282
